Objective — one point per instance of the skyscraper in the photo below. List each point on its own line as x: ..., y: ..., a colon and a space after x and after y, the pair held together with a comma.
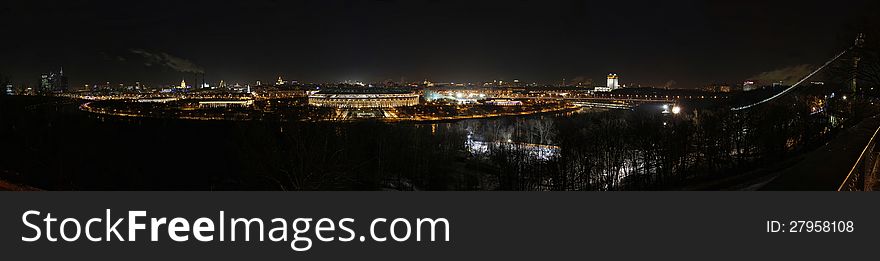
x: 53, y: 82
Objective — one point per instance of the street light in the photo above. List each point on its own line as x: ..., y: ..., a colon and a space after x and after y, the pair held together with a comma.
x: 676, y: 110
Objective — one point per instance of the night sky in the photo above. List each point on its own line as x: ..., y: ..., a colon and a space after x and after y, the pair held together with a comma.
x: 647, y: 42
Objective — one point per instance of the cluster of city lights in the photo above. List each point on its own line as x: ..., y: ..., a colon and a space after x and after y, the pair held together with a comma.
x: 674, y: 109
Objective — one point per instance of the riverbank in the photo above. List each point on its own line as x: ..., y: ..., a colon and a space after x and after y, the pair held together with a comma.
x: 88, y: 107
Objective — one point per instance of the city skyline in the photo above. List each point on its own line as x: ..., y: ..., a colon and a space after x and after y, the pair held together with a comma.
x: 440, y: 95
x: 783, y: 76
x: 683, y: 45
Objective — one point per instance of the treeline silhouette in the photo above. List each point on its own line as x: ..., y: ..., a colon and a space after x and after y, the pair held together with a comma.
x: 48, y: 143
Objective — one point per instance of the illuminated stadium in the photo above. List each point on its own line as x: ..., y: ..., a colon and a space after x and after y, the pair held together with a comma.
x: 364, y: 98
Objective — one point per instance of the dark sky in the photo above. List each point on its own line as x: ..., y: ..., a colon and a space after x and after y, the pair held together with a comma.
x: 646, y: 42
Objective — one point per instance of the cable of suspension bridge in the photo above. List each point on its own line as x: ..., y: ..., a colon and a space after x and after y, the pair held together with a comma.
x: 783, y: 92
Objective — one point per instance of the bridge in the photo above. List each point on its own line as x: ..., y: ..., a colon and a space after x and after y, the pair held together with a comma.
x: 855, y: 150
x: 604, y: 105
x: 858, y: 43
x: 865, y: 173
x: 617, y: 101
x: 599, y: 100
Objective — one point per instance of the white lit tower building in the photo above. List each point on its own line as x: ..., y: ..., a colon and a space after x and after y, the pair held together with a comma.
x: 613, y: 82
x: 8, y: 88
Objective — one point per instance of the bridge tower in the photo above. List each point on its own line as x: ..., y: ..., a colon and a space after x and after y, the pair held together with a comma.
x: 859, y: 43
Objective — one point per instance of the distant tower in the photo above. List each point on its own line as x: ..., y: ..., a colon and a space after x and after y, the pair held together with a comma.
x: 61, y: 83
x: 613, y: 81
x: 183, y: 84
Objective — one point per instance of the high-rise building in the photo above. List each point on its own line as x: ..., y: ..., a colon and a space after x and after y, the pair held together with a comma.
x: 182, y: 84
x: 613, y: 81
x: 53, y: 82
x: 45, y: 83
x: 9, y: 90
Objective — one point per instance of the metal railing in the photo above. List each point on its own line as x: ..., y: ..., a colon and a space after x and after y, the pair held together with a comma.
x: 863, y: 175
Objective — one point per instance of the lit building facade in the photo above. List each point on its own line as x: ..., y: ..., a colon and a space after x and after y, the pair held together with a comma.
x: 363, y: 98
x: 613, y: 82
x: 226, y: 104
x: 601, y: 89
x: 503, y: 102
